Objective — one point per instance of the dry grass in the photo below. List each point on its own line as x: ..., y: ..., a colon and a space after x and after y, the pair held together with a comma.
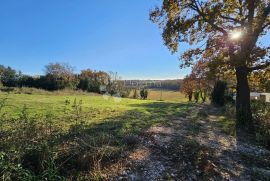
x: 163, y: 95
x: 167, y: 95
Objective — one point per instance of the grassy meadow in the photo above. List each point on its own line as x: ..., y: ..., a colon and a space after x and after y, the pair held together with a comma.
x: 167, y: 95
x: 72, y: 135
x: 43, y: 102
x: 72, y: 125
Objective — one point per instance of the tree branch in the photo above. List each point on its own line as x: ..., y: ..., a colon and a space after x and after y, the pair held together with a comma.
x: 251, y: 11
x: 198, y: 8
x: 230, y: 18
x: 259, y: 67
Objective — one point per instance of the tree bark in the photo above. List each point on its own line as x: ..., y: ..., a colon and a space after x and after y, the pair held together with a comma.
x: 190, y: 97
x: 243, y: 109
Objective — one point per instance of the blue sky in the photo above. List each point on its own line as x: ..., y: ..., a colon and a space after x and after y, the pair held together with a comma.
x: 98, y: 34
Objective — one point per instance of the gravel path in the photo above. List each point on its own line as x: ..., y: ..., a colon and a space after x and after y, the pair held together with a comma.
x: 195, y: 149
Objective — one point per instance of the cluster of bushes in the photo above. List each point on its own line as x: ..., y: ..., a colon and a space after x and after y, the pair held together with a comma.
x: 143, y: 94
x: 60, y: 76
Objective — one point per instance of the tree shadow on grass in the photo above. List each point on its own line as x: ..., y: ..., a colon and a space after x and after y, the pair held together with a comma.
x: 88, y: 150
x: 237, y: 150
x: 106, y: 141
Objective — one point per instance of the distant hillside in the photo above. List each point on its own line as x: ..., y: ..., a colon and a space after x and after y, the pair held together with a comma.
x: 154, y: 84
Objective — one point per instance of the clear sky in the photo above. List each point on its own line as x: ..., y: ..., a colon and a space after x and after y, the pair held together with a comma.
x: 109, y: 35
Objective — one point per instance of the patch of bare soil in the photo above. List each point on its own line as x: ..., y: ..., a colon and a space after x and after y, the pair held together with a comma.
x: 194, y: 148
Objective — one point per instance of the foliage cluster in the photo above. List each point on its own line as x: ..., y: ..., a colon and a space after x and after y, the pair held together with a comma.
x: 144, y: 93
x: 261, y: 115
x: 225, y: 34
x: 60, y: 76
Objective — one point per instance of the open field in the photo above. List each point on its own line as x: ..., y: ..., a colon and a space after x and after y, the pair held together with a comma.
x: 56, y: 136
x: 93, y: 108
x: 164, y: 95
x: 176, y: 96
x: 55, y: 102
x: 64, y: 121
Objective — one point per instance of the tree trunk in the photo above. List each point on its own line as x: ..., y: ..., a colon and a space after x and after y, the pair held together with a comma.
x: 243, y: 110
x: 203, y: 96
x: 190, y: 97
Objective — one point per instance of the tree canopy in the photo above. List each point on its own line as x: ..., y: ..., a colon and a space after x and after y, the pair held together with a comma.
x: 225, y: 31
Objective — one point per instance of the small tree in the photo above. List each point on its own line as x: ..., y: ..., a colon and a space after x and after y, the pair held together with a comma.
x: 188, y: 87
x: 218, y: 94
x: 196, y: 96
x: 135, y: 94
x: 144, y: 93
x: 60, y: 76
x: 8, y: 76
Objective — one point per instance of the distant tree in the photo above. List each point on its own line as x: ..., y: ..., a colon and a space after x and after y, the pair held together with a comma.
x: 59, y: 69
x: 229, y: 29
x: 115, y: 85
x: 200, y: 72
x: 135, y: 94
x: 8, y: 76
x: 94, y: 81
x: 188, y: 86
x: 60, y: 76
x: 26, y: 81
x: 144, y: 93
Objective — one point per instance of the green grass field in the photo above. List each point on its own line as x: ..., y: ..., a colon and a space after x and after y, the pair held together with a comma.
x: 43, y: 102
x: 30, y: 119
x: 98, y: 108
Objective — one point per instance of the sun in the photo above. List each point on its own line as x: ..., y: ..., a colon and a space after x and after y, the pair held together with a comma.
x: 235, y: 35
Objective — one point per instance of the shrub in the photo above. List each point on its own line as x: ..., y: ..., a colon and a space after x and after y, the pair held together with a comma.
x: 230, y: 111
x: 261, y: 115
x: 135, y: 94
x: 125, y: 93
x: 196, y: 96
x: 144, y: 93
x: 218, y: 94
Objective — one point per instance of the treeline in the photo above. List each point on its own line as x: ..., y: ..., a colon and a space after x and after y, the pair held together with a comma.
x: 60, y: 76
x: 207, y: 80
x: 173, y: 85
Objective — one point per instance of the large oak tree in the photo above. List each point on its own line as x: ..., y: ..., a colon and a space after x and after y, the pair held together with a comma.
x: 230, y: 29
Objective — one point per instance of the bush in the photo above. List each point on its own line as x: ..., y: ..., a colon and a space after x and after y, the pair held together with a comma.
x: 261, y: 115
x: 125, y: 93
x: 218, y: 94
x: 135, y: 94
x: 196, y: 96
x: 144, y: 93
x: 7, y: 89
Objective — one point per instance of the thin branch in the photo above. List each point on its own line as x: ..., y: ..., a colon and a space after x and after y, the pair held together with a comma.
x: 230, y: 18
x: 259, y: 67
x: 198, y: 8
